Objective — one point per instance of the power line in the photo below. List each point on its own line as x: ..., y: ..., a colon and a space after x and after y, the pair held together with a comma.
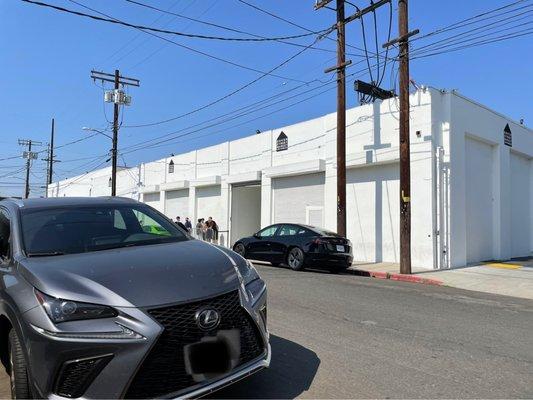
x: 230, y: 28
x: 229, y: 62
x: 471, y: 20
x: 233, y: 92
x: 262, y: 10
x: 170, y: 32
x: 483, y: 28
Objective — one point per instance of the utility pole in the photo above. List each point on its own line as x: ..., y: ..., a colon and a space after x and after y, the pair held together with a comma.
x: 29, y: 156
x: 340, y: 68
x: 405, y: 152
x: 50, y: 159
x: 115, y: 139
x: 118, y: 97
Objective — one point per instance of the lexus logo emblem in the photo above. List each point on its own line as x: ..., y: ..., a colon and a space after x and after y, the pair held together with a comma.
x: 207, y: 319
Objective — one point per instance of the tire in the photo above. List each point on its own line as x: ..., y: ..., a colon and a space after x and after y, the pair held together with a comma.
x: 18, y: 372
x: 240, y: 249
x: 296, y: 259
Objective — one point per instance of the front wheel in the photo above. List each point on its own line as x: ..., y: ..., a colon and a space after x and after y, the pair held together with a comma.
x: 18, y: 373
x: 240, y: 249
x: 295, y: 259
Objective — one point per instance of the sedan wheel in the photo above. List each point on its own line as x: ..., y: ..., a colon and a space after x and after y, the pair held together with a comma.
x: 240, y: 250
x: 295, y: 259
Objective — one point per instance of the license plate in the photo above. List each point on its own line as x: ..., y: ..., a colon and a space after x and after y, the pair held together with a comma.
x: 340, y: 248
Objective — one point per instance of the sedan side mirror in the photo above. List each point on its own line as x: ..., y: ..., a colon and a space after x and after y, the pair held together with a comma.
x: 256, y: 235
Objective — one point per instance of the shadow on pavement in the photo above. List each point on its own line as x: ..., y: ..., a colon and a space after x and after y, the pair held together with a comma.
x: 292, y: 370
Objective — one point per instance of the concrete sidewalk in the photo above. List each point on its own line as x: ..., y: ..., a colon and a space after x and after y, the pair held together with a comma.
x: 509, y: 278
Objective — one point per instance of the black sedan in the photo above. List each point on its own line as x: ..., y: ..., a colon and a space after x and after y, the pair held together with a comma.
x: 298, y: 246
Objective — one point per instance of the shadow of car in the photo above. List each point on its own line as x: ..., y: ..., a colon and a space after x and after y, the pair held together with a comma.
x: 292, y: 371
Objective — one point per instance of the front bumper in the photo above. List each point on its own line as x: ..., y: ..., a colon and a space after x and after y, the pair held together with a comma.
x: 47, y: 354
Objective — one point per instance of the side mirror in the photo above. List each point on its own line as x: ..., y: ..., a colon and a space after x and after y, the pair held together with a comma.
x: 256, y: 235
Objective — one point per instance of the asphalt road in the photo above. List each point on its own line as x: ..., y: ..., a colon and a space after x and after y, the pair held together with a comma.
x: 342, y: 336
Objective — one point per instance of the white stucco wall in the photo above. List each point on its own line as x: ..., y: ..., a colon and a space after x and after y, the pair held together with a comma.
x: 471, y: 196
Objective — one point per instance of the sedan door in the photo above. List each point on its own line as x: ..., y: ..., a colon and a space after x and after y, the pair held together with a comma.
x: 285, y: 238
x: 260, y: 247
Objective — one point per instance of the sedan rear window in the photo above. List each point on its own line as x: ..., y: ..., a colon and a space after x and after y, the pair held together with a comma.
x: 69, y: 230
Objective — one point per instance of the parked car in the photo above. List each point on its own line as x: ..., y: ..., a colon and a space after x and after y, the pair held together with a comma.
x: 298, y: 246
x: 107, y: 298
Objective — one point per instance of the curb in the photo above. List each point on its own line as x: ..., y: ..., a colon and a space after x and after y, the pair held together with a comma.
x: 395, y: 277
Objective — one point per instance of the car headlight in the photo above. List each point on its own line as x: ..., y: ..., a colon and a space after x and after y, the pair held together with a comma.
x: 255, y: 289
x: 60, y: 310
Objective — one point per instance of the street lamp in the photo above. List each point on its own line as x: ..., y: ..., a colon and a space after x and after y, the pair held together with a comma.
x: 86, y: 128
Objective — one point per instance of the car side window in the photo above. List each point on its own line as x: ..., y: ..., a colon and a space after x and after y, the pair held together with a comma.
x: 267, y: 232
x: 304, y: 232
x: 288, y: 230
x: 5, y: 236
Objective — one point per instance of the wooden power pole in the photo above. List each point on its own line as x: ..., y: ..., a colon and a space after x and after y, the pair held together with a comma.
x: 29, y: 156
x: 340, y: 68
x: 341, y: 120
x: 118, y: 97
x: 115, y: 139
x: 405, y: 152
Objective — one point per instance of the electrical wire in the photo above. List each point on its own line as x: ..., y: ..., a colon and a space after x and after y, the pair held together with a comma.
x: 166, y: 31
x: 232, y: 29
x: 480, y: 29
x: 233, y: 92
x: 293, y: 23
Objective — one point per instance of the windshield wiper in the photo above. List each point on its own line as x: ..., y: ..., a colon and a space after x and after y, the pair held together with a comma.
x: 46, y: 254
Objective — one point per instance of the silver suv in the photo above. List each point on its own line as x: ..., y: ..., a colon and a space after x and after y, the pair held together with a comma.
x: 107, y: 298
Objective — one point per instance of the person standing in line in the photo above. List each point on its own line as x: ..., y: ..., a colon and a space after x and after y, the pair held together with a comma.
x: 200, y: 231
x: 188, y: 224
x: 211, y: 224
x: 209, y: 231
x: 180, y: 224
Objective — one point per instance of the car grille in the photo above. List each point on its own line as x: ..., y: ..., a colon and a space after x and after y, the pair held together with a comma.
x: 163, y: 371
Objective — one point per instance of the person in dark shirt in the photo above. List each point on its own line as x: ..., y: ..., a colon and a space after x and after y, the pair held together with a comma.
x: 180, y: 224
x: 188, y: 224
x: 212, y: 225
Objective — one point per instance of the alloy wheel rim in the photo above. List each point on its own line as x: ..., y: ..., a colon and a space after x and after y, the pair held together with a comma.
x: 240, y: 249
x: 294, y: 258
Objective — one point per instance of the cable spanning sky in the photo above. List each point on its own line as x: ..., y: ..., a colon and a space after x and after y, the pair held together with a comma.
x: 199, y: 89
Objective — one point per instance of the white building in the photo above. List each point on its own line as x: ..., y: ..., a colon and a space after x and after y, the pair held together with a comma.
x: 471, y: 193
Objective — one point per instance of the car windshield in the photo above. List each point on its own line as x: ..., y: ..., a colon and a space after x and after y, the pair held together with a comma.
x: 70, y: 230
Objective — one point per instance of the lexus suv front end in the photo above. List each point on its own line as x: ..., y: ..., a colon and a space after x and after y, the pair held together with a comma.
x: 96, y: 303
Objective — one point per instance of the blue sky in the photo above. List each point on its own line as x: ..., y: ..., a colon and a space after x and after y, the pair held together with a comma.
x: 46, y: 57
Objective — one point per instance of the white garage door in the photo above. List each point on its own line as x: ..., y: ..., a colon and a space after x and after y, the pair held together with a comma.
x: 372, y: 212
x: 209, y: 204
x: 520, y: 206
x: 479, y: 205
x: 294, y: 195
x: 177, y: 204
x: 152, y: 199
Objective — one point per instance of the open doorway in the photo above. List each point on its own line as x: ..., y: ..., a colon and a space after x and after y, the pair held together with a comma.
x: 245, y: 218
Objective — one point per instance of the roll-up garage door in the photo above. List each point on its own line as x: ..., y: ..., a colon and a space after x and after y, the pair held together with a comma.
x: 520, y: 206
x: 152, y: 199
x: 294, y: 196
x: 177, y: 203
x: 209, y: 204
x: 372, y: 215
x: 479, y: 219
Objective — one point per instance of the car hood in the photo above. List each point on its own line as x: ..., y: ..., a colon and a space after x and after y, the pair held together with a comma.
x: 135, y: 276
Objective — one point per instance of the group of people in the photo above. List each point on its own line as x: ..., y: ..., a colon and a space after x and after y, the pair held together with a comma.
x: 204, y: 230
